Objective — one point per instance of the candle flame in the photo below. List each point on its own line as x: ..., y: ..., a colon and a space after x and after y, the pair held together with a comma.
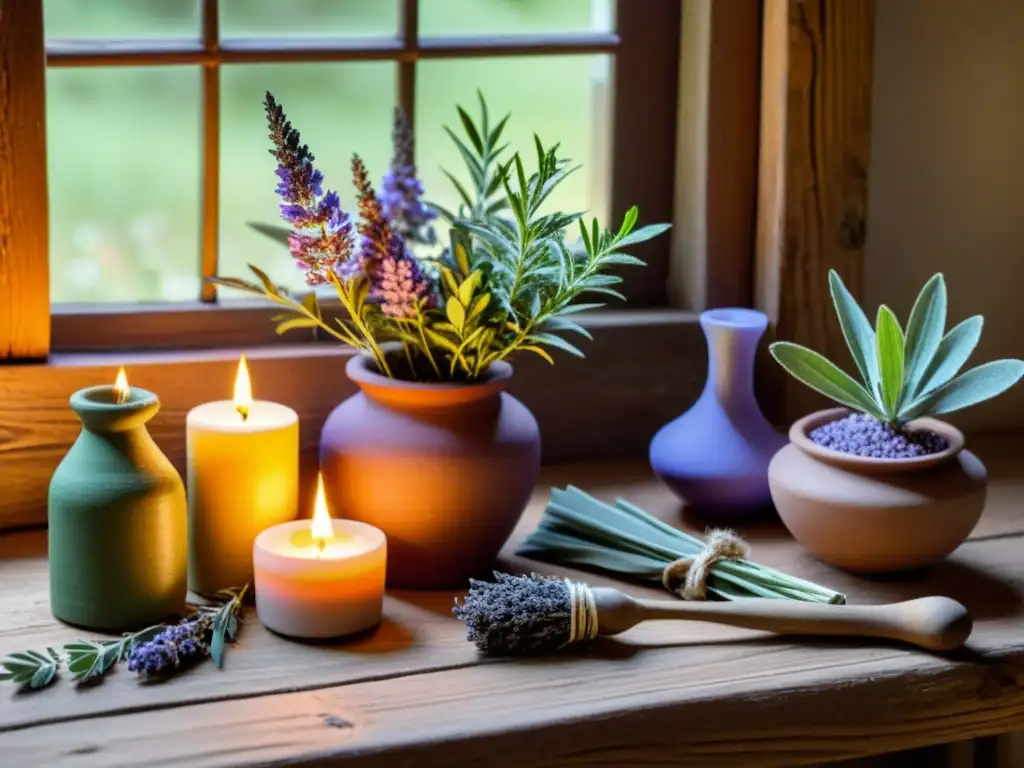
x: 243, y: 389
x: 323, y: 530
x: 122, y: 392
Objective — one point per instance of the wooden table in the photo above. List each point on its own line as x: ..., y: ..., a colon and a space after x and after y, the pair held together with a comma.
x: 415, y: 692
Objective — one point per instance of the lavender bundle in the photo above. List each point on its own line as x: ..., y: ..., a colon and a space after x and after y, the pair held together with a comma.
x: 580, y: 531
x: 160, y: 649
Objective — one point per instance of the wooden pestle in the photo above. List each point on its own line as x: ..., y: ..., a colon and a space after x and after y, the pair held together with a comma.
x: 935, y: 623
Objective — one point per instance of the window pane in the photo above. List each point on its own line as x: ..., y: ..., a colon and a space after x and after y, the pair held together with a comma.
x: 446, y: 18
x: 563, y: 99
x: 123, y: 159
x: 317, y: 18
x: 121, y: 18
x: 338, y: 108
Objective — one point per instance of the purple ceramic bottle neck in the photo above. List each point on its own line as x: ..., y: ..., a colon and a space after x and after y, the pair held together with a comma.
x: 732, y: 335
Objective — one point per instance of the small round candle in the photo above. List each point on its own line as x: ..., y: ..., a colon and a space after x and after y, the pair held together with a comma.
x: 243, y: 477
x: 320, y: 578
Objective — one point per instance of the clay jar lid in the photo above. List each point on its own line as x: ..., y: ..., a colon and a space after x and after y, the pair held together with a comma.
x: 799, y: 435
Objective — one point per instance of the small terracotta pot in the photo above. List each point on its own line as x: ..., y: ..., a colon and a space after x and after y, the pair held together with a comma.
x: 877, y: 515
x: 445, y: 470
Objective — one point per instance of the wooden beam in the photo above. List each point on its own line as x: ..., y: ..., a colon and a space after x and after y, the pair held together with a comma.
x: 812, y: 206
x: 712, y: 261
x: 645, y: 90
x: 608, y: 405
x: 234, y: 50
x: 211, y: 153
x: 24, y: 229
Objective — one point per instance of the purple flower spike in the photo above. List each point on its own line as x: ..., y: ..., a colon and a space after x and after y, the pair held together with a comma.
x: 395, y: 276
x: 401, y: 191
x: 171, y: 647
x: 322, y: 239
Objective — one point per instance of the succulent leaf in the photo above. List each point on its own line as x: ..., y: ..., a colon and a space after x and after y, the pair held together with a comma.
x: 954, y: 350
x: 857, y: 331
x: 889, y: 342
x: 822, y: 375
x: 924, y: 333
x: 976, y: 385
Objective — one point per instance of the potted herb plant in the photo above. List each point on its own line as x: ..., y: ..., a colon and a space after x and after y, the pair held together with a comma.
x: 880, y: 484
x: 432, y: 450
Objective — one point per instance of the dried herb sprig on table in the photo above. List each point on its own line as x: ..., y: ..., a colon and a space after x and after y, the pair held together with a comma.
x: 581, y: 531
x: 160, y: 648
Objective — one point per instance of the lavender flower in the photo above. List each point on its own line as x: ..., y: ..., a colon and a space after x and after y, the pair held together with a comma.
x: 863, y: 435
x: 322, y: 239
x: 395, y: 276
x: 171, y: 647
x: 401, y: 190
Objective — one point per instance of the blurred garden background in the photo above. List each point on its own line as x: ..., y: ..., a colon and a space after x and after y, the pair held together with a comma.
x: 124, y: 143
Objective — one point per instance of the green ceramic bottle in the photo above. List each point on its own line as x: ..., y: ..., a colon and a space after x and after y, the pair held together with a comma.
x: 118, y: 536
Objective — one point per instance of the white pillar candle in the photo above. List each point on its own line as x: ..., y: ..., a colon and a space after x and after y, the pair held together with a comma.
x: 243, y: 477
x: 320, y: 578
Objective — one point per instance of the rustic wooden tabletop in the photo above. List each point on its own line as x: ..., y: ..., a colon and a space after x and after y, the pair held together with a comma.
x: 415, y: 692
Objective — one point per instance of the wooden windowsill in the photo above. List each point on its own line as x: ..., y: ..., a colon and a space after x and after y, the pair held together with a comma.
x: 642, y: 369
x: 416, y: 692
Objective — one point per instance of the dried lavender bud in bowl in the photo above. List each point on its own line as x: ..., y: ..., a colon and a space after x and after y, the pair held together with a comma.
x: 862, y: 435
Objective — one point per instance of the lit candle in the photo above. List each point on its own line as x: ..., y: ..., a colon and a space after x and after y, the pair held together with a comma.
x: 243, y: 477
x: 320, y: 578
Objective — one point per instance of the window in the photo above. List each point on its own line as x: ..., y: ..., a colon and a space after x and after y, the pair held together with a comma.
x: 156, y: 141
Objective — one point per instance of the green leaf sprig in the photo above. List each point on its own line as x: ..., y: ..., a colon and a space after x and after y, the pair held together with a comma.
x: 508, y: 282
x: 92, y: 659
x: 903, y: 375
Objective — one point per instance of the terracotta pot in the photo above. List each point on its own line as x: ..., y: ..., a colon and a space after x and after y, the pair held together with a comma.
x: 877, y: 515
x: 445, y: 470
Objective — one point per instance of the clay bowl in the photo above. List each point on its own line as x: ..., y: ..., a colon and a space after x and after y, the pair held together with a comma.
x: 877, y: 515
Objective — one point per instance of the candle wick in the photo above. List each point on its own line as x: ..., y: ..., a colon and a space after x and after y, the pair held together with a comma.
x: 244, y: 411
x: 320, y: 547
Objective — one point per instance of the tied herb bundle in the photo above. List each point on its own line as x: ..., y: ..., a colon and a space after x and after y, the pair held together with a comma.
x: 160, y: 649
x: 580, y: 531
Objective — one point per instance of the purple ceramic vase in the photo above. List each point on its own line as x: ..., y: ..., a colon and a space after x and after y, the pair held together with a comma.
x: 715, y: 456
x: 445, y: 470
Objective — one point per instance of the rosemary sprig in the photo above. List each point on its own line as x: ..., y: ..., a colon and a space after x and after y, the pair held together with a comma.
x: 90, y: 659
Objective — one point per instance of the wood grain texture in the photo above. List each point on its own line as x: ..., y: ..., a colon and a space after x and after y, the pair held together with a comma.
x: 642, y: 369
x: 211, y: 153
x: 815, y: 132
x: 24, y: 229
x: 715, y: 210
x: 666, y: 693
x: 645, y: 87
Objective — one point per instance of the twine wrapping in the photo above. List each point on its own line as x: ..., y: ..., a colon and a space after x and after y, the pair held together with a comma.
x: 688, y: 576
x: 583, y: 613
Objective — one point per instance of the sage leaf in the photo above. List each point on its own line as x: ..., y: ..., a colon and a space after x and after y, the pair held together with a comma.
x: 822, y: 375
x: 889, y: 342
x: 456, y: 313
x: 954, y: 350
x: 924, y: 333
x: 976, y: 385
x: 860, y: 338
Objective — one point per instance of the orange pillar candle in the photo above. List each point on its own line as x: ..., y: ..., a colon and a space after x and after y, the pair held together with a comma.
x: 243, y: 477
x: 320, y: 578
